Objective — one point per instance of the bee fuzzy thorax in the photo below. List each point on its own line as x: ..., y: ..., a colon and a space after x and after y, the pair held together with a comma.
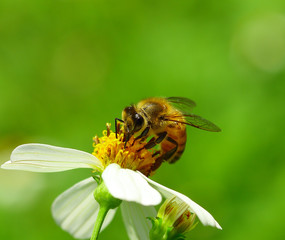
x: 111, y: 149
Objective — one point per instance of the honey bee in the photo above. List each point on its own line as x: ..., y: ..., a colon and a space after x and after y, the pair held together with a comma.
x: 165, y: 119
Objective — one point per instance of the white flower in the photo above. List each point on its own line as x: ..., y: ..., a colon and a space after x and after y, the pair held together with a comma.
x: 75, y: 210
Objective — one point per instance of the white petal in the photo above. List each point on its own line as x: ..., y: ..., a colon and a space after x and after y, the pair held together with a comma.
x: 135, y: 219
x: 76, y: 210
x: 128, y: 185
x: 47, y: 158
x: 205, y: 217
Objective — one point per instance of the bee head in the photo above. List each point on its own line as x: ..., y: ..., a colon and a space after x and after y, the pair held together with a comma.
x: 133, y: 122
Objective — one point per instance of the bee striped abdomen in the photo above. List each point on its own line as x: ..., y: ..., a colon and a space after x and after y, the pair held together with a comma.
x: 177, y: 132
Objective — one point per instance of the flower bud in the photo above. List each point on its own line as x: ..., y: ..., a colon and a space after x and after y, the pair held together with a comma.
x: 173, y: 220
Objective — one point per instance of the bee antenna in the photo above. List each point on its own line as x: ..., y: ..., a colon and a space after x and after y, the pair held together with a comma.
x: 116, y: 125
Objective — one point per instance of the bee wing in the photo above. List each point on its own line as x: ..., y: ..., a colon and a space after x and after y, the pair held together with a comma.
x: 201, y: 123
x: 184, y: 105
x: 194, y: 121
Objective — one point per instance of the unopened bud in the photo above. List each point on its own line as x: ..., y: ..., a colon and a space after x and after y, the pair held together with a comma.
x: 173, y: 220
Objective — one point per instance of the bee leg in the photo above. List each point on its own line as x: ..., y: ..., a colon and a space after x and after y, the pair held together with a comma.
x: 143, y: 134
x: 157, y: 163
x: 156, y: 153
x: 154, y: 141
x: 160, y: 138
x: 151, y: 143
x: 116, y: 125
x: 166, y: 156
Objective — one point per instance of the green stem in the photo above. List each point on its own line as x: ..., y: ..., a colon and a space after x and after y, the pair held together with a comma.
x: 99, y: 221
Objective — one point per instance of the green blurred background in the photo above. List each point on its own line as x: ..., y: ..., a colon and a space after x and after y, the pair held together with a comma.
x: 68, y: 67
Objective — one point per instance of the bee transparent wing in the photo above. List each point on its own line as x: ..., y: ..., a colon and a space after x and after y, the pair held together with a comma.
x: 194, y: 121
x: 184, y: 105
x: 201, y: 123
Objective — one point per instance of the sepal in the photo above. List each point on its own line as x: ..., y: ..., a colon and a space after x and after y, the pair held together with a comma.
x: 104, y: 198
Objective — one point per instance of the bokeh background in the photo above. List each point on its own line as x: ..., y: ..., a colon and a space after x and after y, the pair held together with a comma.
x: 68, y: 67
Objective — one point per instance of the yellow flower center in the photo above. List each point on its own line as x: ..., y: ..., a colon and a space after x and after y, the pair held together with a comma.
x: 111, y: 149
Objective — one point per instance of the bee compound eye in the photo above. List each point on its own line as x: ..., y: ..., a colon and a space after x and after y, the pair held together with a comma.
x: 138, y: 122
x: 130, y: 110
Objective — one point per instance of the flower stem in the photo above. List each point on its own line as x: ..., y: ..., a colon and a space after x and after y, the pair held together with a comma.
x: 99, y: 221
